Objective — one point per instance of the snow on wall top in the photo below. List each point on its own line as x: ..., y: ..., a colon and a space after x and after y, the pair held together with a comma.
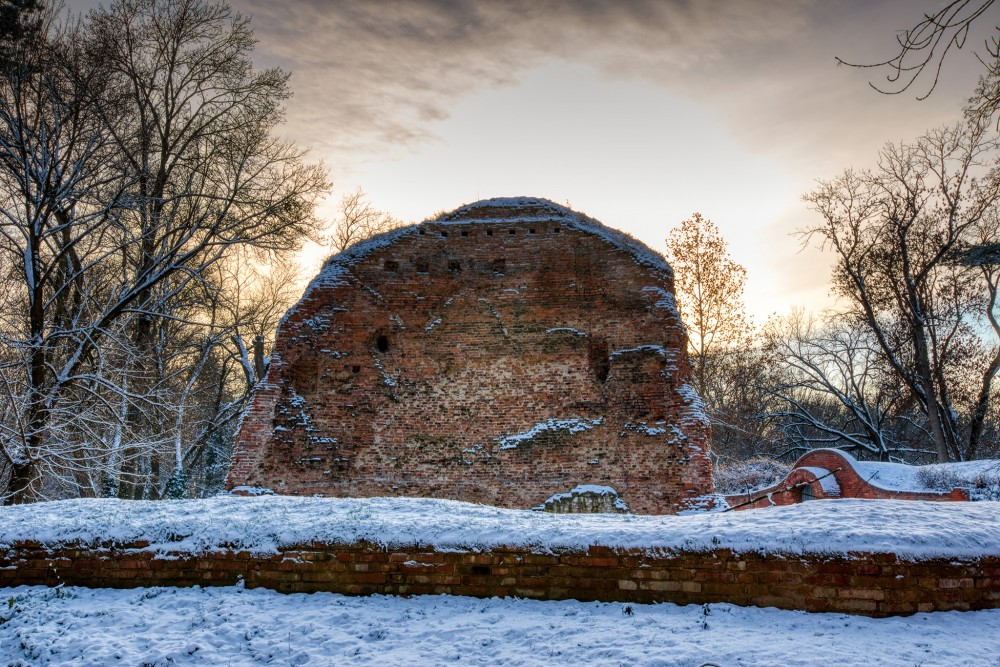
x: 911, y: 529
x: 336, y: 269
x: 534, y: 209
x: 903, y: 477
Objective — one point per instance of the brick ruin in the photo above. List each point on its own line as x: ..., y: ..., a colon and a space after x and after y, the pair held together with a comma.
x: 503, y: 353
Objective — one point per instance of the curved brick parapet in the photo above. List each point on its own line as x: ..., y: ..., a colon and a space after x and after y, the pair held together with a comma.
x: 503, y: 354
x: 832, y: 473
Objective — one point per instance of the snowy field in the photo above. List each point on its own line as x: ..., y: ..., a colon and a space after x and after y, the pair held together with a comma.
x: 911, y: 529
x: 167, y: 627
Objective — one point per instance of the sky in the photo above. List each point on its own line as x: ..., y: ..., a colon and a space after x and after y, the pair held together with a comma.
x: 637, y: 113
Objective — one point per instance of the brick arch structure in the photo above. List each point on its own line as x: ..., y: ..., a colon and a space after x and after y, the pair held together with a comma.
x: 823, y: 474
x: 502, y: 353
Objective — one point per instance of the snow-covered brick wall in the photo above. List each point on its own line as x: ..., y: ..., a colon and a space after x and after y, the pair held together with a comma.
x: 502, y: 353
x: 867, y: 557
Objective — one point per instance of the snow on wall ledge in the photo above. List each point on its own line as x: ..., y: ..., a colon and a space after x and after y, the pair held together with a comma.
x: 502, y: 354
x: 913, y: 530
x: 873, y: 558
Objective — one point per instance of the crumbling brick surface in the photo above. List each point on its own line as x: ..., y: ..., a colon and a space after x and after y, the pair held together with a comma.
x: 501, y: 354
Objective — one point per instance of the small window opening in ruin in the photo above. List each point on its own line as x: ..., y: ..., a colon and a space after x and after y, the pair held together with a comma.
x: 489, y: 232
x: 600, y: 361
x: 391, y: 265
x: 423, y: 266
x: 481, y: 569
x: 454, y: 266
x: 499, y: 265
x: 356, y: 369
x: 465, y: 232
x: 382, y: 343
x: 421, y: 230
x: 557, y: 230
x: 512, y: 231
x: 444, y: 235
x: 531, y: 231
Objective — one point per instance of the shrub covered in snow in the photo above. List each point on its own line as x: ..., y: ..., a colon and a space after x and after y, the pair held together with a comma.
x: 982, y: 478
x: 744, y: 476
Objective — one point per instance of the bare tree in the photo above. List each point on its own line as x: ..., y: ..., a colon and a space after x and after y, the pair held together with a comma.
x: 731, y: 366
x: 924, y: 47
x: 196, y: 127
x: 984, y: 256
x: 58, y: 205
x: 359, y: 220
x: 892, y: 231
x: 709, y: 287
x: 835, y: 389
x: 139, y: 156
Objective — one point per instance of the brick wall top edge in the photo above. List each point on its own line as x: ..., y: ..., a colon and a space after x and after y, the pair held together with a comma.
x: 163, y: 550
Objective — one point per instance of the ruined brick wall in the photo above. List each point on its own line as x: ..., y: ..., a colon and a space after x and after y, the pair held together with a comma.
x: 501, y: 354
x: 806, y: 480
x: 866, y: 584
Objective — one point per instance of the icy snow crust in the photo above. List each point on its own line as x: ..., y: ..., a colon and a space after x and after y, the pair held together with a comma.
x: 912, y: 529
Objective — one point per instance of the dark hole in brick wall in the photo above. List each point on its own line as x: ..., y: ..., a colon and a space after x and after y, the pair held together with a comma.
x: 465, y: 232
x: 531, y: 231
x: 600, y: 362
x: 422, y: 232
x: 391, y: 265
x: 557, y: 230
x: 512, y: 231
x: 382, y: 343
x: 423, y: 266
x: 444, y: 235
x: 454, y: 266
x: 489, y: 232
x: 355, y: 369
x: 481, y: 569
x: 499, y: 265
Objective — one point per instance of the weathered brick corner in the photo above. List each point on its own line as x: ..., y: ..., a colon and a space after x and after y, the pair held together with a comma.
x: 503, y: 353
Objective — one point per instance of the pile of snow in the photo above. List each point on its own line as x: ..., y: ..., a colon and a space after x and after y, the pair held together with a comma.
x: 231, y: 626
x: 912, y: 529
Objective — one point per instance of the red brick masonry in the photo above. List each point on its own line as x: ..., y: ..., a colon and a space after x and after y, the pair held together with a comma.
x: 502, y: 354
x: 808, y: 475
x: 866, y: 584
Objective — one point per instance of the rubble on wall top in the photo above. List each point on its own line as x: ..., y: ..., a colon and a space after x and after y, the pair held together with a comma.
x: 535, y: 209
x: 336, y: 269
x: 507, y: 209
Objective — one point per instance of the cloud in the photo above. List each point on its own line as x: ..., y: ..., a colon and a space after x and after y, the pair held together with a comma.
x: 377, y: 74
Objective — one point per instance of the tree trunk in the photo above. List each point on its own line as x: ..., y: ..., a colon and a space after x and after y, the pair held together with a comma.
x: 926, y: 384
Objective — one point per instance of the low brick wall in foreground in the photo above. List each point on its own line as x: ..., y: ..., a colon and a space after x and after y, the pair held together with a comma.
x: 868, y: 584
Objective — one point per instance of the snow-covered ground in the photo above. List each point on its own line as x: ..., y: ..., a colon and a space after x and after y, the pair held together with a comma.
x: 911, y: 529
x: 230, y: 626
